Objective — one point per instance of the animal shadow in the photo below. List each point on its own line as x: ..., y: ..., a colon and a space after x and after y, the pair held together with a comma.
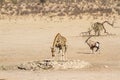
x: 84, y: 53
x: 2, y: 79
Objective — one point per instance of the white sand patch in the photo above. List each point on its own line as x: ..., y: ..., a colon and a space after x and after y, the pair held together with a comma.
x: 71, y: 64
x: 54, y: 65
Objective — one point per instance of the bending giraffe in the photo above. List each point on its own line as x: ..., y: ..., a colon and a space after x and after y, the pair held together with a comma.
x: 60, y: 44
x: 98, y: 27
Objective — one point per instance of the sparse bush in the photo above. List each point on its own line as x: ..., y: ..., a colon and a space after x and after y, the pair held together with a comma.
x: 14, y: 1
x: 119, y: 13
x: 118, y: 4
x: 42, y: 1
x: 2, y: 1
x: 69, y: 8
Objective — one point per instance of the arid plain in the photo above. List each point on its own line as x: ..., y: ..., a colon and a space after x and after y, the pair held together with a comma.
x: 27, y: 39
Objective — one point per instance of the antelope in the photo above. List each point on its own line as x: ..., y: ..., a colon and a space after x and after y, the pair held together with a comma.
x: 93, y: 44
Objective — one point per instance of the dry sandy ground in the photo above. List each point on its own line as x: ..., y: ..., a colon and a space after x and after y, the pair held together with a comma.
x: 28, y: 40
x: 59, y: 75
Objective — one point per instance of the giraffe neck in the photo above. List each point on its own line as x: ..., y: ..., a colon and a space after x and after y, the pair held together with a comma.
x: 55, y: 40
x: 107, y: 23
